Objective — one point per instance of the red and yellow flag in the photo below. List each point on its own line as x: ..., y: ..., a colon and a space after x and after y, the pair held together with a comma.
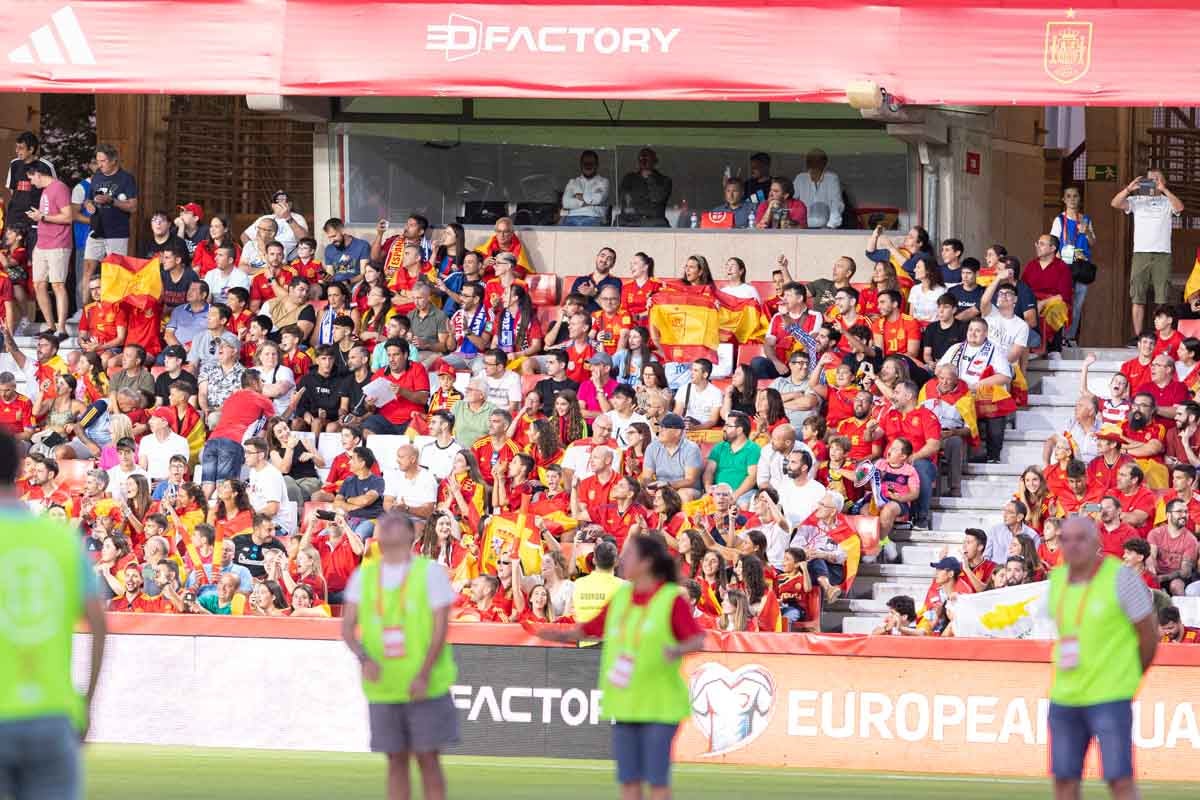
x: 134, y: 281
x: 742, y: 318
x: 1192, y: 287
x: 688, y: 324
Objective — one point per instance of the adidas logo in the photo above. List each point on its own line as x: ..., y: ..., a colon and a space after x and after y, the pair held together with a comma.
x: 44, y: 48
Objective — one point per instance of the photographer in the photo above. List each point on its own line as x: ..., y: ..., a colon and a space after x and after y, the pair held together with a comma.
x: 1154, y: 208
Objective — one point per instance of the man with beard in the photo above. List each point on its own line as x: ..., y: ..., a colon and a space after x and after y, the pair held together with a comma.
x: 947, y: 396
x: 1114, y: 531
x: 772, y: 460
x: 1173, y: 550
x: 1172, y: 629
x: 844, y: 314
x: 789, y: 328
x: 858, y: 428
x: 1183, y: 438
x: 136, y: 601
x: 1137, y: 501
x: 735, y: 460
x: 1144, y: 438
x: 1102, y: 470
x: 800, y: 493
x: 1166, y: 389
x: 1183, y: 487
x: 601, y: 276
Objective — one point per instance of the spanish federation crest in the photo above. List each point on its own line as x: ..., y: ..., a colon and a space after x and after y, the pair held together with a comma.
x: 1068, y: 53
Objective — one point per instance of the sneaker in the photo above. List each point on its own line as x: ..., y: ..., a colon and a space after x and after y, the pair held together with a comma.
x: 921, y: 524
x: 1054, y: 356
x: 993, y: 461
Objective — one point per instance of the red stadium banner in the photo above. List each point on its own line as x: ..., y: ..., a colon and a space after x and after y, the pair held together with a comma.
x: 1098, y: 52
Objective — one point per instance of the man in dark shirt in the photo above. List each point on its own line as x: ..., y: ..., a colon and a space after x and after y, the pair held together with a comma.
x: 359, y: 362
x: 589, y: 286
x: 321, y: 397
x: 177, y: 276
x: 173, y: 359
x: 252, y: 550
x: 360, y: 497
x: 758, y: 185
x: 548, y: 389
x: 20, y: 193
x: 644, y: 194
x: 111, y: 200
x: 969, y: 292
x: 943, y: 332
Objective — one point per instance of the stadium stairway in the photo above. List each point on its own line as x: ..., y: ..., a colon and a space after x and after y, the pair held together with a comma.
x: 1053, y: 390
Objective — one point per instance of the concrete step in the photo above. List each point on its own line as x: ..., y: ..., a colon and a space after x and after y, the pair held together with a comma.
x: 1064, y: 399
x: 1106, y: 361
x: 992, y: 503
x: 920, y: 555
x: 1043, y: 418
x: 1067, y: 383
x: 938, y: 538
x: 961, y: 520
x: 1028, y: 435
x: 1000, y: 472
x: 896, y: 571
x: 885, y: 591
x: 976, y: 489
x: 861, y: 625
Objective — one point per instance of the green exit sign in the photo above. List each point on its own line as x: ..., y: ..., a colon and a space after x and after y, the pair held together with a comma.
x: 1101, y: 172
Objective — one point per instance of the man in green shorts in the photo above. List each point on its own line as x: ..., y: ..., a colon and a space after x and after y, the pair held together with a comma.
x: 47, y: 588
x: 1154, y: 208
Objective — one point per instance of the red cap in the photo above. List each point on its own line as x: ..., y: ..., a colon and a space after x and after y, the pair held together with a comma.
x: 164, y: 414
x: 194, y: 208
x: 445, y: 369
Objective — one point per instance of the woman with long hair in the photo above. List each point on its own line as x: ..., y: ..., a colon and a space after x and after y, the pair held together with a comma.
x: 928, y: 287
x: 764, y: 605
x: 1187, y: 363
x: 793, y: 585
x: 544, y: 446
x: 736, y: 615
x: 568, y: 418
x: 915, y: 245
x: 441, y: 541
x: 461, y: 493
x: 204, y: 259
x: 304, y: 571
x: 633, y: 458
x: 646, y: 628
x: 378, y: 311
x: 297, y: 459
x: 232, y: 514
x: 134, y: 510
x: 278, y: 381
x: 518, y: 332
x: 64, y: 412
x: 637, y: 290
x: 743, y: 387
x: 305, y: 603
x: 653, y: 381
x: 1023, y: 545
x: 696, y: 273
x: 267, y: 600
x: 337, y: 304
x: 556, y: 577
x: 372, y: 276
x: 712, y: 579
x: 691, y: 553
x: 893, y: 371
x: 883, y: 278
x: 769, y: 414
x: 451, y: 248
x: 668, y: 515
x: 93, y: 378
x: 629, y: 361
x: 1034, y: 493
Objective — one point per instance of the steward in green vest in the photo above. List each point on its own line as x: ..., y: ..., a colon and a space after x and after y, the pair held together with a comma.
x: 395, y: 619
x: 46, y: 589
x: 1107, y: 636
x: 647, y: 627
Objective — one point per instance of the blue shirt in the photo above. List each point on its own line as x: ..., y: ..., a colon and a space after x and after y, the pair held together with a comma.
x: 245, y: 580
x: 609, y: 280
x: 114, y: 223
x: 82, y: 229
x: 967, y: 298
x: 741, y: 214
x: 187, y: 323
x: 348, y: 258
x: 355, y: 486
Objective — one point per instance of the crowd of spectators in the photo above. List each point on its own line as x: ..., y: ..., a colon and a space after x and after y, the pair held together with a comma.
x: 227, y: 449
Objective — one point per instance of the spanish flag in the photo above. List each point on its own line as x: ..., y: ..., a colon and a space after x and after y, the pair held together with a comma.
x: 688, y: 323
x: 137, y: 282
x: 770, y: 617
x: 960, y: 397
x: 1192, y: 287
x: 741, y: 318
x: 524, y: 266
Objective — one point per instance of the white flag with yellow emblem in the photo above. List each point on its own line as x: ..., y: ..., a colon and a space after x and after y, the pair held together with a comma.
x: 1014, y: 612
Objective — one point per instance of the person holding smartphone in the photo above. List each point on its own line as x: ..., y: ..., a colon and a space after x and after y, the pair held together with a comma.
x: 1154, y: 208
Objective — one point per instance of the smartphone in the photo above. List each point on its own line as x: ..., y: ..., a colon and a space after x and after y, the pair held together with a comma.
x: 1090, y: 508
x: 326, y: 515
x: 387, y: 224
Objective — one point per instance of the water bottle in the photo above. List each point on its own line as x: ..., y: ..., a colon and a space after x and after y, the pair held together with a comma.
x: 694, y: 220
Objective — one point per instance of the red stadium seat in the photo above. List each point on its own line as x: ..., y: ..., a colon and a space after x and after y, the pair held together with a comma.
x: 543, y: 289
x: 766, y: 289
x: 748, y: 352
x: 530, y: 381
x: 319, y: 305
x: 1189, y: 328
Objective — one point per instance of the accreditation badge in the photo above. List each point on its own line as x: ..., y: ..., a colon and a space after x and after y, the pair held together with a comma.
x: 1068, y: 653
x: 393, y: 643
x: 621, y: 671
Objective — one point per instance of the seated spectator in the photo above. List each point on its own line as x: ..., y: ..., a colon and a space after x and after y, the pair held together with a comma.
x: 968, y: 293
x: 1167, y: 390
x: 734, y: 461
x: 1136, y: 499
x: 502, y: 386
x: 585, y: 199
x: 594, y: 392
x: 1167, y: 338
x: 505, y: 241
x: 390, y: 252
x: 926, y: 291
x: 134, y: 600
x: 345, y: 255
x: 279, y: 384
x: 947, y: 396
x: 1001, y: 535
x: 437, y: 456
x: 673, y: 459
x: 901, y: 619
x: 291, y: 226
x: 102, y: 325
x: 977, y: 568
x: 495, y: 450
x: 360, y: 497
x: 220, y: 379
x: 639, y: 287
x: 320, y: 401
x: 253, y: 550
x: 556, y: 381
x: 470, y: 329
x: 735, y: 212
x: 824, y: 557
x: 156, y: 450
x: 471, y: 414
x: 589, y: 286
x: 430, y: 330
x: 899, y: 486
x: 780, y: 209
x: 800, y: 401
x: 987, y: 372
x: 943, y: 333
x: 1114, y: 530
x: 216, y: 235
x: 409, y: 488
x: 820, y: 191
x: 1136, y: 554
x: 203, y: 350
x: 410, y: 389
x: 1172, y: 629
x: 1173, y: 550
x: 1183, y: 487
x: 1187, y: 363
x: 578, y: 345
x: 291, y: 308
x: 644, y: 194
x: 699, y: 401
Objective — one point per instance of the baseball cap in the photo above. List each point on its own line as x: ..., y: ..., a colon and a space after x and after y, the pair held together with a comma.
x: 192, y: 208
x: 672, y: 421
x: 600, y: 358
x: 949, y: 562
x: 445, y: 369
x: 229, y: 340
x: 163, y: 413
x: 175, y: 351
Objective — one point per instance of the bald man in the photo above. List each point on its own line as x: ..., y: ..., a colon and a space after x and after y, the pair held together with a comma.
x: 773, y: 458
x: 593, y: 491
x: 409, y: 488
x: 1099, y: 660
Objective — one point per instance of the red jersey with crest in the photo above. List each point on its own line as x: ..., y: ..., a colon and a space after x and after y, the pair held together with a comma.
x: 607, y: 329
x: 493, y: 460
x: 101, y: 319
x: 635, y: 300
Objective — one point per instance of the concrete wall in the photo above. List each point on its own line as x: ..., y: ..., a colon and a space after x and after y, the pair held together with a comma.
x: 572, y: 251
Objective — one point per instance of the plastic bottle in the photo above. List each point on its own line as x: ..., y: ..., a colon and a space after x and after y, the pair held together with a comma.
x: 695, y: 220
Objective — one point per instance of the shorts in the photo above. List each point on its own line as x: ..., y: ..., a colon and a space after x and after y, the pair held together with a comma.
x: 378, y: 423
x: 1149, y: 270
x: 425, y: 726
x: 39, y: 759
x: 1072, y: 729
x: 51, y: 265
x: 221, y: 459
x: 905, y: 508
x: 97, y: 249
x: 643, y: 752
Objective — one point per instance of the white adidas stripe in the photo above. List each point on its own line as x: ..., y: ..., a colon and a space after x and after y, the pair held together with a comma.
x: 46, y: 48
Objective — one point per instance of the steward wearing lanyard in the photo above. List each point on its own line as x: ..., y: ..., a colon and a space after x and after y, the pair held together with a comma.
x: 1107, y: 635
x: 397, y: 610
x: 647, y: 628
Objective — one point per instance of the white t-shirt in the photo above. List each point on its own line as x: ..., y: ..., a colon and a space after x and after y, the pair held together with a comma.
x: 437, y: 459
x: 285, y: 235
x: 280, y: 374
x: 799, y: 502
x: 219, y: 283
x: 437, y: 585
x: 505, y: 391
x: 1152, y: 218
x: 700, y: 403
x: 158, y: 453
x: 922, y: 304
x: 117, y: 478
x: 970, y: 372
x: 577, y: 456
x: 1005, y: 332
x: 266, y: 485
x: 413, y: 491
x: 744, y: 291
x: 622, y: 425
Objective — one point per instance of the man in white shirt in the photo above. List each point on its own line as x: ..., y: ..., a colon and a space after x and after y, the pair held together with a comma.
x: 624, y: 412
x: 265, y: 486
x: 408, y: 488
x: 1154, y: 209
x: 126, y: 466
x: 226, y: 275
x: 156, y: 449
x: 503, y: 386
x: 437, y: 457
x: 698, y: 401
x: 585, y: 200
x: 800, y: 494
x: 819, y: 185
x: 292, y: 226
x: 1006, y: 330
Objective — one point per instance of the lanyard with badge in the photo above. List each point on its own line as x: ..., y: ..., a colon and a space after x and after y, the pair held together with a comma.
x: 1068, y: 646
x: 393, y: 635
x: 621, y: 672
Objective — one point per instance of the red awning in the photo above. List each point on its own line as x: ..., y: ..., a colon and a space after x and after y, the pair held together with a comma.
x: 1119, y: 52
